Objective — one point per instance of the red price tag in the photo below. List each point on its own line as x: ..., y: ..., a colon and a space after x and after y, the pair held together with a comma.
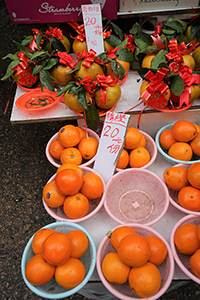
x: 111, y: 143
x: 93, y: 27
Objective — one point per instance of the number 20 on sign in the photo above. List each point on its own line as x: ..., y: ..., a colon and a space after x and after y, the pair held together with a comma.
x: 111, y: 143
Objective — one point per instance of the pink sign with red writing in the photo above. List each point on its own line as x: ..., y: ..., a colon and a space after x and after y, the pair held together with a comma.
x: 111, y: 144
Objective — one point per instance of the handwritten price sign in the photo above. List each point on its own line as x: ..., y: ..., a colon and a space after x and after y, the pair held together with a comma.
x: 111, y: 144
x: 93, y: 27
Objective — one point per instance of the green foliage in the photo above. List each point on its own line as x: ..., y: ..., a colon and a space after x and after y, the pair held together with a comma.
x: 92, y: 117
x: 176, y: 85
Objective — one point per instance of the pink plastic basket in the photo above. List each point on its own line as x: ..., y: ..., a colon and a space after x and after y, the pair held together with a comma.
x: 181, y: 259
x: 123, y: 291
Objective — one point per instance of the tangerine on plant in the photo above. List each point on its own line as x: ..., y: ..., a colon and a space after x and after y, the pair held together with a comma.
x: 59, y: 73
x: 195, y: 145
x: 146, y: 62
x: 69, y: 181
x: 69, y: 136
x: 176, y: 177
x: 196, y: 57
x: 38, y: 271
x: 114, y: 270
x: 70, y: 166
x: 133, y: 138
x: 92, y: 186
x: 70, y: 274
x: 55, y: 149
x: 195, y: 263
x: 79, y: 242
x: 88, y: 147
x: 158, y: 249
x: 181, y: 151
x: 56, y: 248
x: 71, y: 101
x: 76, y: 206
x: 125, y: 65
x: 167, y: 139
x: 145, y: 281
x: 139, y: 157
x: 144, y: 86
x: 52, y: 195
x: 79, y: 46
x: 184, y: 131
x: 39, y: 238
x: 186, y: 239
x: 189, y: 198
x: 123, y: 160
x: 113, y: 94
x: 134, y: 250
x: 71, y: 155
x: 93, y: 70
x: 189, y: 61
x: 194, y: 175
x: 118, y: 234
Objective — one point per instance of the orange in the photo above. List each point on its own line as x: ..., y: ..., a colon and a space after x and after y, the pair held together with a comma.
x: 123, y: 160
x: 194, y: 175
x: 143, y: 142
x: 145, y: 281
x: 81, y: 131
x: 92, y: 186
x: 181, y: 151
x: 79, y: 242
x: 60, y: 75
x: 93, y: 70
x: 189, y: 198
x: 38, y: 271
x: 176, y: 177
x: 186, y: 239
x: 71, y: 101
x: 195, y: 145
x: 139, y: 157
x: 133, y: 138
x: 118, y: 234
x: 55, y: 149
x: 114, y: 270
x: 125, y: 65
x: 113, y: 94
x: 167, y: 139
x: 69, y: 136
x: 134, y: 250
x: 71, y: 155
x: 38, y: 239
x: 52, y: 195
x: 158, y: 249
x: 69, y: 181
x: 70, y: 166
x: 198, y: 231
x: 189, y: 61
x: 197, y: 127
x: 146, y: 62
x: 88, y: 147
x: 79, y: 46
x: 184, y: 131
x: 76, y: 206
x: 195, y: 263
x: 70, y: 274
x: 56, y: 248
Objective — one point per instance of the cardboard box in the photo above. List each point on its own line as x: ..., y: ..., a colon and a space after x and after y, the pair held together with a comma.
x: 155, y: 5
x: 55, y: 11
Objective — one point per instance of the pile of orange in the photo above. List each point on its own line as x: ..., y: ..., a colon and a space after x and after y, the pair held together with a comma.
x: 187, y: 183
x: 73, y: 190
x: 134, y: 154
x: 182, y: 141
x: 187, y: 241
x: 73, y: 145
x: 135, y: 259
x: 57, y: 255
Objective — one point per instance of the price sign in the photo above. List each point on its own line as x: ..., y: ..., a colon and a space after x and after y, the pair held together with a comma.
x: 111, y: 144
x: 93, y: 27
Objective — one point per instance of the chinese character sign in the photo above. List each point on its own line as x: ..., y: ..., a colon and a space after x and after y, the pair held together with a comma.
x: 93, y: 27
x: 111, y: 143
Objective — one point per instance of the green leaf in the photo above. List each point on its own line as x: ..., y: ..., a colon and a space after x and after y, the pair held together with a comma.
x: 92, y: 117
x: 146, y: 38
x: 168, y: 31
x: 7, y: 75
x: 11, y: 56
x: 82, y: 98
x: 26, y: 41
x: 39, y: 54
x: 113, y: 40
x: 135, y: 64
x: 198, y: 36
x: 52, y: 62
x: 57, y: 45
x: 23, y: 49
x: 123, y: 44
x: 66, y: 88
x: 158, y: 59
x: 141, y: 45
x: 38, y: 39
x: 195, y: 28
x: 118, y: 69
x: 46, y: 80
x: 46, y: 44
x: 117, y: 30
x: 37, y: 69
x: 76, y: 68
x: 124, y: 54
x: 175, y: 25
x: 135, y: 30
x: 152, y: 49
x: 177, y: 85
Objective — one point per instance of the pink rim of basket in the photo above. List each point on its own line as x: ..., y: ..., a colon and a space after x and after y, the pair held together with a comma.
x: 51, y: 212
x: 176, y: 205
x: 109, y: 285
x: 155, y: 152
x: 57, y: 163
x: 138, y: 170
x: 182, y: 221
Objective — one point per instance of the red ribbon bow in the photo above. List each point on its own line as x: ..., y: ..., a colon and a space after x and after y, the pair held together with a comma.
x: 158, y: 29
x: 66, y: 59
x: 88, y: 84
x: 104, y: 82
x: 55, y: 32
x: 88, y: 57
x: 23, y: 63
x: 80, y: 29
x: 129, y: 43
